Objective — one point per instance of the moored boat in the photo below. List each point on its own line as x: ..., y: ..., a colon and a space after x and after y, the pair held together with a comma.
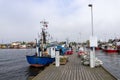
x: 39, y: 61
x: 44, y: 54
x: 110, y: 48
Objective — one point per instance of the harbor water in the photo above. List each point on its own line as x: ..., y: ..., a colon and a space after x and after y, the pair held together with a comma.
x: 111, y: 62
x: 13, y: 64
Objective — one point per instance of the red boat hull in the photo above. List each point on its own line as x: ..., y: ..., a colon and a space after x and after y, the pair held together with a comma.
x: 111, y: 51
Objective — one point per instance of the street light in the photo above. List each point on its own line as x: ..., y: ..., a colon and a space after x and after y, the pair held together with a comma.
x: 92, y: 41
x: 90, y: 5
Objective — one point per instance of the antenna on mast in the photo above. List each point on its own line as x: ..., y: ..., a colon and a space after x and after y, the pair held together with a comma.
x: 44, y: 23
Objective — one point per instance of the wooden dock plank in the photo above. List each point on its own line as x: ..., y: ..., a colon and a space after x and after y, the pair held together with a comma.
x: 73, y: 70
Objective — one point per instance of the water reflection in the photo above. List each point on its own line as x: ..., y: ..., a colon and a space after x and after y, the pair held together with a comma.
x: 33, y: 71
x: 110, y: 59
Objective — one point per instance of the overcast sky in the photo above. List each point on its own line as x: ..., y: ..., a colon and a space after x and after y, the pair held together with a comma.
x: 20, y: 19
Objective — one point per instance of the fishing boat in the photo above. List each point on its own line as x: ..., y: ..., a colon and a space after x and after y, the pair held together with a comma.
x: 62, y: 49
x: 110, y: 48
x: 118, y: 46
x: 45, y: 54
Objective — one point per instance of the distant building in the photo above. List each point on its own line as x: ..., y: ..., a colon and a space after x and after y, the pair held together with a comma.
x: 24, y: 46
x: 18, y: 45
x: 15, y: 44
x: 31, y: 45
x: 3, y: 46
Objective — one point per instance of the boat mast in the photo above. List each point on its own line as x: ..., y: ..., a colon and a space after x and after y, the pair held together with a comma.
x: 43, y: 35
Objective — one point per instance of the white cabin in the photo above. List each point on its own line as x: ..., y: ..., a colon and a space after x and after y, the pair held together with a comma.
x: 51, y: 51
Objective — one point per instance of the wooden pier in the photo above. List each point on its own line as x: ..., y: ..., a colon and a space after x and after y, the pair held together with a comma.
x: 73, y: 70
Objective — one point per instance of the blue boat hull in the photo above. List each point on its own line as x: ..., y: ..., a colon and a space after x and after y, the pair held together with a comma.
x: 39, y: 61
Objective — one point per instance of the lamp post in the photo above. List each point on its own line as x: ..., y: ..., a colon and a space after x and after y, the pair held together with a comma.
x: 91, y: 6
x: 92, y: 41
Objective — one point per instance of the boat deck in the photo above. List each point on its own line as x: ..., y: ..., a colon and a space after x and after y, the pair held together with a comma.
x: 73, y: 70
